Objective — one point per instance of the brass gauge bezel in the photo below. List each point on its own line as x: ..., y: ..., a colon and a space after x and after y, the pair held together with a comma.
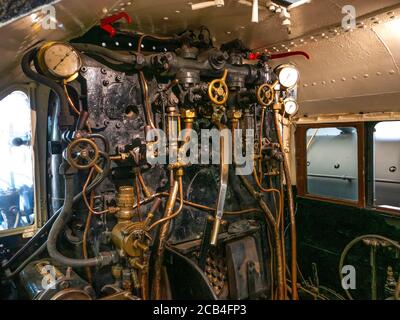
x: 44, y: 68
x: 279, y: 69
x: 290, y: 100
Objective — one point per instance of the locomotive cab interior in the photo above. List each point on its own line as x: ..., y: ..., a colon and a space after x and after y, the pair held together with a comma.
x: 203, y: 150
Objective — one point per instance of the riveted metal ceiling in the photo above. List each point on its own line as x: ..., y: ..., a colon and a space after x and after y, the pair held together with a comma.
x: 355, y: 71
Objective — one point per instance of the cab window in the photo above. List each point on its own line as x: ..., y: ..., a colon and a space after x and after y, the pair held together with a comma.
x: 332, y: 163
x: 16, y: 174
x: 387, y: 165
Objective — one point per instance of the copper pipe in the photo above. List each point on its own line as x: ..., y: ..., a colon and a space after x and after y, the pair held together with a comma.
x: 138, y: 191
x: 73, y: 107
x: 162, y: 237
x: 84, y: 196
x: 85, y: 237
x: 147, y: 104
x: 261, y: 187
x: 176, y: 213
x: 146, y: 190
x: 196, y: 205
x: 144, y: 284
x: 71, y: 103
x: 293, y: 232
x: 260, y: 171
x: 272, y: 225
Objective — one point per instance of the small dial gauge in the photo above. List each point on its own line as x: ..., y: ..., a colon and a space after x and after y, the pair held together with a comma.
x: 291, y: 107
x: 288, y: 75
x: 61, y: 60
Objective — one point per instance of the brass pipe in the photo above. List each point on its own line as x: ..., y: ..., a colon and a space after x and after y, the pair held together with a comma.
x: 163, y: 234
x: 176, y: 213
x: 291, y: 206
x: 146, y: 190
x: 197, y: 205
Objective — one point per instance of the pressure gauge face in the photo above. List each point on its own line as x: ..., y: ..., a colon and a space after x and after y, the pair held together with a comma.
x: 61, y: 60
x: 291, y: 107
x: 288, y: 75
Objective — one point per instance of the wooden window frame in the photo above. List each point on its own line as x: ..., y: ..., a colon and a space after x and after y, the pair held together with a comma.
x: 370, y: 172
x: 301, y: 162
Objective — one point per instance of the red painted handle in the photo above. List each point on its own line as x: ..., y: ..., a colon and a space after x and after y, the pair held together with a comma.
x: 105, y: 23
x: 257, y: 55
x: 289, y: 54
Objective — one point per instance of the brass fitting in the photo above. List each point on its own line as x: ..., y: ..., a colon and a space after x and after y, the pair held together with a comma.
x: 125, y: 202
x: 234, y: 115
x: 177, y: 165
x: 125, y: 236
x: 136, y: 264
x: 188, y: 115
x: 120, y: 157
x: 278, y: 106
x: 180, y: 172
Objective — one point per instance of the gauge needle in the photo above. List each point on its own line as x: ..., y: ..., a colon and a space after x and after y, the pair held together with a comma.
x: 62, y: 60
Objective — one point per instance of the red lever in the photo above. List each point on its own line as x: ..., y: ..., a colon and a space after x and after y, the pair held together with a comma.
x: 106, y: 23
x: 289, y: 54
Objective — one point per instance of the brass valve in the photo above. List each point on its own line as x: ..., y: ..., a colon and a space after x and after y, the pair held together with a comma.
x: 266, y: 94
x: 218, y: 91
x: 83, y: 154
x: 125, y: 202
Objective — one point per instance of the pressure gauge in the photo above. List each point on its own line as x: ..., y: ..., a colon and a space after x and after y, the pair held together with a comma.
x: 291, y: 106
x: 59, y: 60
x: 288, y: 75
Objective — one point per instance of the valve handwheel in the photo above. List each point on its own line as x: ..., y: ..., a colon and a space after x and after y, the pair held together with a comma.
x: 218, y: 91
x: 82, y: 153
x: 266, y: 94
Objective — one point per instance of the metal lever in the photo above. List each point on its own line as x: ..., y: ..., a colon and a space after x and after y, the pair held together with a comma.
x: 222, y: 194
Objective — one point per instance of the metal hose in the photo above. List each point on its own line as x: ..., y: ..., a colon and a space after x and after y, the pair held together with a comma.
x: 111, y: 54
x: 48, y: 225
x: 58, y: 226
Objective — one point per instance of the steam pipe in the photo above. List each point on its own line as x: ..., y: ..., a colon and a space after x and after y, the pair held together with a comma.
x: 163, y: 233
x: 291, y: 207
x: 104, y: 258
x: 114, y: 55
x: 51, y: 221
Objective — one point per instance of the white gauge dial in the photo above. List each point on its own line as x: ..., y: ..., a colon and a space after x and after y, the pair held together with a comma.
x: 291, y: 106
x: 62, y: 60
x: 288, y: 76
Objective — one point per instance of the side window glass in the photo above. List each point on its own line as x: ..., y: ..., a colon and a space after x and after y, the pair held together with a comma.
x: 16, y: 174
x: 387, y: 165
x: 332, y: 163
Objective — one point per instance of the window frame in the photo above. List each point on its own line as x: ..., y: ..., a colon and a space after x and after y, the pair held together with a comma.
x: 370, y: 172
x: 301, y: 162
x: 29, y: 231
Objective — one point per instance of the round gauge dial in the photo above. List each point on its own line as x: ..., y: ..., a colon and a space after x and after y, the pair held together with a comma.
x: 61, y: 60
x: 288, y: 76
x: 291, y: 106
